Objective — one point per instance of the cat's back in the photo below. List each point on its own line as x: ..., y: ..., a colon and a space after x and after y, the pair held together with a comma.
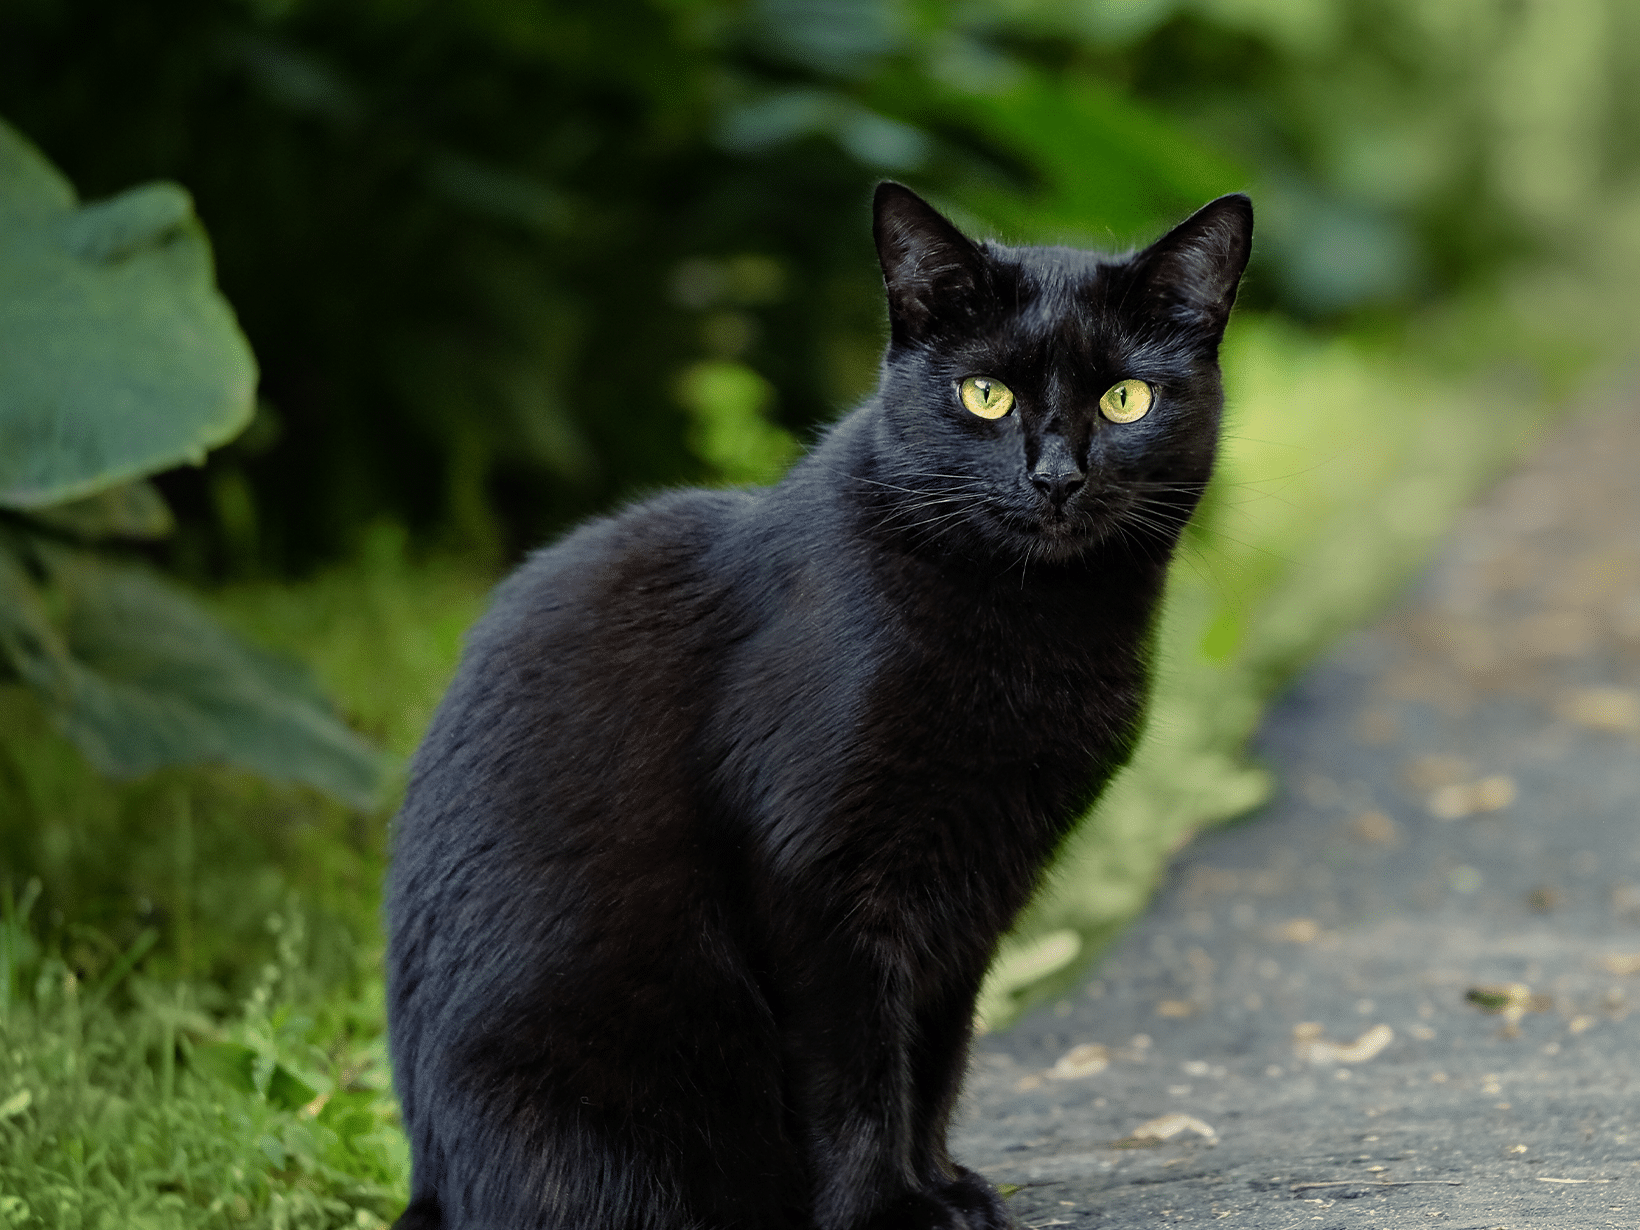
x: 559, y: 769
x: 605, y: 632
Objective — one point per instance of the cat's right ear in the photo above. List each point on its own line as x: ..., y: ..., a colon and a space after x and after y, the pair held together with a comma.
x: 1190, y: 274
x: 932, y: 272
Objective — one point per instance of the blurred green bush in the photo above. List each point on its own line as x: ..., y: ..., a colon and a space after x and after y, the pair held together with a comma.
x: 479, y: 247
x: 118, y: 358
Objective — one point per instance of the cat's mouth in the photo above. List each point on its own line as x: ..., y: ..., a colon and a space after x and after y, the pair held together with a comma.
x: 1056, y: 532
x: 1060, y: 532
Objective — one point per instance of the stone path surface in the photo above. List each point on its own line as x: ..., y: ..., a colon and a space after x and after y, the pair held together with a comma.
x: 1404, y: 993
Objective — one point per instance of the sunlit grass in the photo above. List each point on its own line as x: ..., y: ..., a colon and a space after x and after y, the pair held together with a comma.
x: 159, y: 1114
x: 235, y: 1073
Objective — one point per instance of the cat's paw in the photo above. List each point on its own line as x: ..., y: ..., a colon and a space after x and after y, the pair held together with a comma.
x: 975, y: 1202
x: 967, y: 1202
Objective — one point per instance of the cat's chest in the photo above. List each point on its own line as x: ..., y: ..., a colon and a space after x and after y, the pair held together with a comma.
x: 938, y: 674
x: 1002, y: 684
x: 873, y: 727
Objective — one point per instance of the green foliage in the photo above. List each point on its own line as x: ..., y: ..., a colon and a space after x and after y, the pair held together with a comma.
x: 1109, y: 172
x: 464, y: 239
x: 158, y: 1114
x: 382, y: 631
x: 727, y: 402
x: 477, y: 312
x: 206, y: 854
x: 252, y: 914
x: 134, y: 511
x: 140, y: 677
x: 117, y: 356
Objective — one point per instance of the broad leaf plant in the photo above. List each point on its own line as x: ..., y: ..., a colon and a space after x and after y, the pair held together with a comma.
x: 118, y: 359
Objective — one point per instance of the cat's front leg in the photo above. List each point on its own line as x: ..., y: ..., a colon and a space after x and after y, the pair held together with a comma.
x: 878, y: 1161
x: 940, y: 1061
x: 860, y: 1199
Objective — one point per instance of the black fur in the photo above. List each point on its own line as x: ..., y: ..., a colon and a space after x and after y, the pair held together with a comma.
x: 712, y: 839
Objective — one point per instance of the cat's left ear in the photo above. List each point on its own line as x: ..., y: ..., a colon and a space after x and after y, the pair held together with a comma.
x: 933, y: 273
x: 1192, y: 272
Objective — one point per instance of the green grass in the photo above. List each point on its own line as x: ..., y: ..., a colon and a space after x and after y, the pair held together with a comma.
x: 234, y: 1073
x: 158, y: 1113
x: 191, y: 1026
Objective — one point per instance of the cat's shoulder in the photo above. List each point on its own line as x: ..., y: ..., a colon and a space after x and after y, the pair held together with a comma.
x: 670, y: 526
x: 666, y: 540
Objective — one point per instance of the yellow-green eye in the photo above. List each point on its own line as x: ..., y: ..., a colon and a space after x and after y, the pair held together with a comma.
x: 987, y: 397
x: 1126, y: 402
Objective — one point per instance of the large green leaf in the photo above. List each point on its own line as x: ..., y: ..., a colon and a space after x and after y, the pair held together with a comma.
x: 138, y: 676
x: 117, y: 355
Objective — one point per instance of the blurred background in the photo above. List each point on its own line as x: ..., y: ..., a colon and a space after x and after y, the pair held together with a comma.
x: 507, y: 263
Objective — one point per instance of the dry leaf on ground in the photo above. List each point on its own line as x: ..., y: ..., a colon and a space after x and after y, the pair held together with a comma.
x: 1310, y: 1045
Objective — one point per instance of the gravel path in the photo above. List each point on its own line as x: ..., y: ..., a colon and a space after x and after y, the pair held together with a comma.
x: 1401, y: 995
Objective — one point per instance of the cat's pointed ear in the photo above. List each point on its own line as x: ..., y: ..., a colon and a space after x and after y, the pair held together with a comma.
x: 932, y: 271
x: 1191, y: 273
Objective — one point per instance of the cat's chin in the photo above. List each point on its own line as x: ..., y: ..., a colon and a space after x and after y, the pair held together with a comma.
x: 1055, y: 538
x: 1059, y: 548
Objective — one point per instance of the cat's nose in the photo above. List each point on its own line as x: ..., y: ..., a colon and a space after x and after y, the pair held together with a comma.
x: 1057, y: 485
x: 1056, y: 474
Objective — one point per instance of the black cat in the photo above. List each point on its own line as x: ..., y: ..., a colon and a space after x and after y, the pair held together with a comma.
x: 709, y: 844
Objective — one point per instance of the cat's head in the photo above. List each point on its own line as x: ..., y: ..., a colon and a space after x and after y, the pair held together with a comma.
x: 1039, y: 402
